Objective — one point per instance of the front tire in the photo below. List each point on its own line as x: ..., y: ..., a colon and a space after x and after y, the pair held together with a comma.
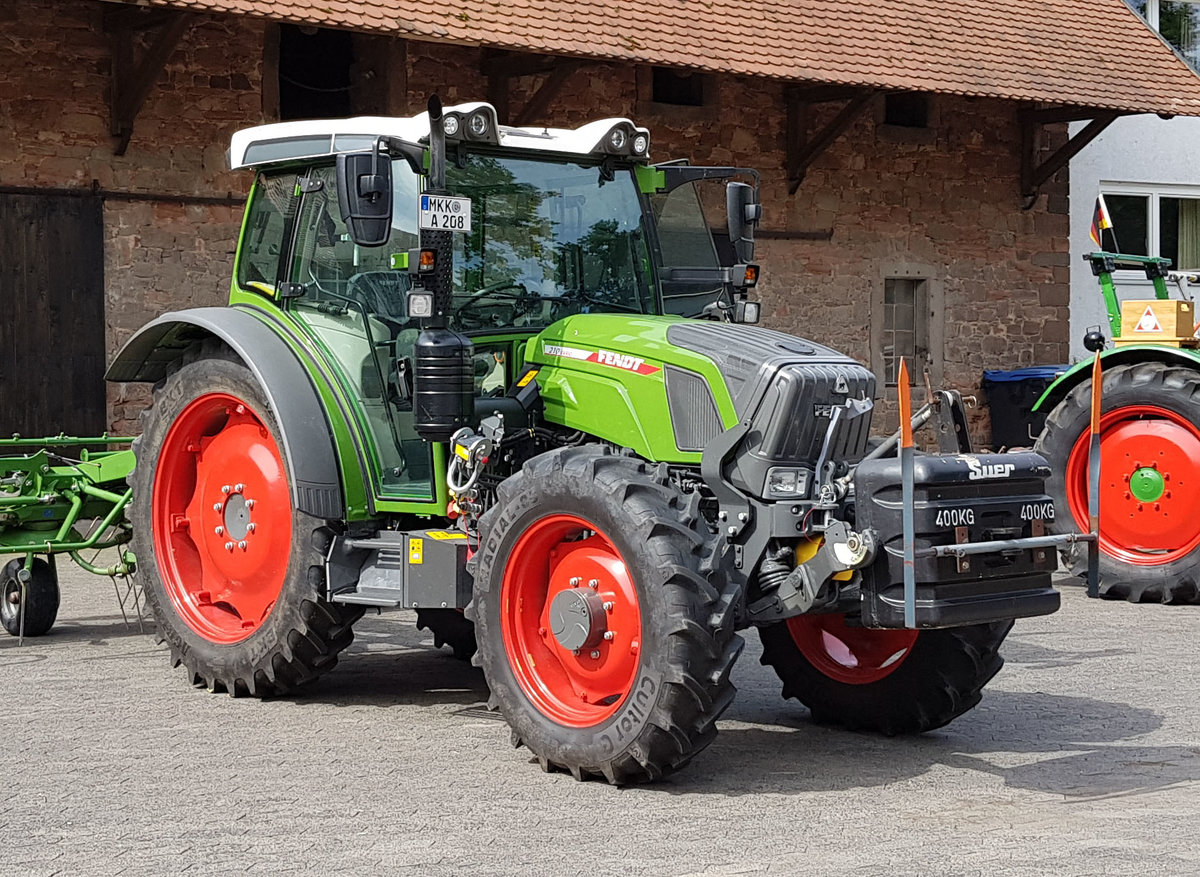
x: 604, y: 619
x: 41, y: 598
x: 235, y: 574
x: 1150, y: 474
x: 889, y: 681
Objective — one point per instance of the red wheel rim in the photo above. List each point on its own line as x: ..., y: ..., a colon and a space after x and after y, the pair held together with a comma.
x: 854, y: 655
x: 556, y: 555
x: 1149, y: 475
x: 222, y: 518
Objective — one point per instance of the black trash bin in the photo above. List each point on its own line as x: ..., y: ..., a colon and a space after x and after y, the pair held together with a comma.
x: 1011, y: 396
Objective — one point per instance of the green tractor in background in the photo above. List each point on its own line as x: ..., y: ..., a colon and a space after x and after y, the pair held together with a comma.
x: 1149, y: 441
x: 501, y: 376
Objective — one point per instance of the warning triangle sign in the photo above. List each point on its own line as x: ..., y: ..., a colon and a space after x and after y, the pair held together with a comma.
x: 1148, y: 322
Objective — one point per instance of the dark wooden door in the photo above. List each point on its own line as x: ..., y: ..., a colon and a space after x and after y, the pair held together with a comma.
x: 52, y: 329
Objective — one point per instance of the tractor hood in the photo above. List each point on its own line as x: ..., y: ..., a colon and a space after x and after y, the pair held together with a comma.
x: 666, y: 386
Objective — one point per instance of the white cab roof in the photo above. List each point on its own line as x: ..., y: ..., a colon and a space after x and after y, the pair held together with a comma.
x: 288, y: 141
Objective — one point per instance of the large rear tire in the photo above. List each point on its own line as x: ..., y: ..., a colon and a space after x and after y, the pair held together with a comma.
x: 889, y: 681
x: 1150, y: 475
x: 604, y: 619
x: 233, y: 574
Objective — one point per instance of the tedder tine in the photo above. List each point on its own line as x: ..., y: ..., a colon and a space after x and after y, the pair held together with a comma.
x: 906, y: 497
x: 1093, y: 569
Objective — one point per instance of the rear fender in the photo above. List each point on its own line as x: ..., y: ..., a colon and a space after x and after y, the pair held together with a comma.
x: 1082, y: 371
x: 306, y: 432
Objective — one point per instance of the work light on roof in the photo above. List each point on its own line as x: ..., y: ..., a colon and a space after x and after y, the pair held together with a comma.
x: 625, y: 139
x: 478, y: 123
x: 450, y: 124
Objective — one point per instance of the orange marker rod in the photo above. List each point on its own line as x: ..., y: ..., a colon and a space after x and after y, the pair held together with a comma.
x: 907, y: 502
x: 1093, y: 570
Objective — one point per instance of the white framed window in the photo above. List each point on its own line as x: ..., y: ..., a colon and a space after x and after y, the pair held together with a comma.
x: 1154, y: 221
x: 1178, y: 21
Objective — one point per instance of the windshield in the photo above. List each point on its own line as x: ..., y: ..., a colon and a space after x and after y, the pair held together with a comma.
x: 547, y: 240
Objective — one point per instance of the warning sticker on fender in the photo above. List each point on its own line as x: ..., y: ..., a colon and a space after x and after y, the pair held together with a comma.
x: 603, y: 357
x: 1149, y: 322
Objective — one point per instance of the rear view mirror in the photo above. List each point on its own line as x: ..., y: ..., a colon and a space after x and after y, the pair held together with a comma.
x: 364, y: 184
x: 742, y: 213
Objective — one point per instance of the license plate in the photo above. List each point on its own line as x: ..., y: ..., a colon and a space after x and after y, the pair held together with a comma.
x: 445, y: 213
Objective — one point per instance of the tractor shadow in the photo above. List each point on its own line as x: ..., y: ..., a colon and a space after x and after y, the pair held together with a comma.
x: 1079, y: 747
x: 391, y: 663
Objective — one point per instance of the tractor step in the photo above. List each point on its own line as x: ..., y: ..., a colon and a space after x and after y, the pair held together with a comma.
x: 411, y: 569
x: 387, y: 598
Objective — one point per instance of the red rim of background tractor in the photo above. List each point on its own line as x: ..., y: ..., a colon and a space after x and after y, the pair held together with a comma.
x: 576, y: 688
x: 222, y: 518
x: 1144, y: 450
x: 854, y: 655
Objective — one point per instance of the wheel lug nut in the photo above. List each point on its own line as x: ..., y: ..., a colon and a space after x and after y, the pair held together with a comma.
x: 575, y: 581
x: 226, y: 489
x: 229, y: 546
x: 220, y: 531
x: 608, y: 635
x: 242, y: 545
x: 238, y: 488
x: 251, y: 527
x: 1139, y: 506
x: 595, y: 654
x: 217, y: 506
x: 593, y: 583
x: 541, y: 631
x: 249, y: 503
x: 1157, y: 507
x: 1127, y: 494
x: 609, y: 605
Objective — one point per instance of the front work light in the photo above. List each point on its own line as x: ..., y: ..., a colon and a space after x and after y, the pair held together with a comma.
x: 450, y: 125
x: 477, y: 123
x: 786, y: 483
x: 420, y: 304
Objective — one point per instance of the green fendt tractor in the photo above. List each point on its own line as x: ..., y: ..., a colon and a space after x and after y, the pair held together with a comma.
x: 1149, y: 440
x: 449, y: 379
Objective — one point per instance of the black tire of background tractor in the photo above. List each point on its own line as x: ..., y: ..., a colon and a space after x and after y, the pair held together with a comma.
x: 939, y: 680
x: 1174, y: 388
x: 685, y: 604
x: 301, y: 637
x: 41, y: 598
x: 449, y: 628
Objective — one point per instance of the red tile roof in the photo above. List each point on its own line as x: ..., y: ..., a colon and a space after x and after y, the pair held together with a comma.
x: 1094, y: 53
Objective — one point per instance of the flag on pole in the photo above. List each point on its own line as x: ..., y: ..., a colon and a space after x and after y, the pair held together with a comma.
x: 1100, y: 221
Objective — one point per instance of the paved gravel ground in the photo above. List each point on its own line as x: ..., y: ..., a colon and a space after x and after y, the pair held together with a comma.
x: 1084, y: 758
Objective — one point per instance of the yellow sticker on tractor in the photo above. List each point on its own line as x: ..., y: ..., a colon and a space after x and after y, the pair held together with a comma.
x: 445, y: 534
x: 527, y: 377
x: 416, y: 550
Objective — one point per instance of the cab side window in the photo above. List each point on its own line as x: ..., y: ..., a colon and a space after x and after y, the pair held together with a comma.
x: 273, y: 202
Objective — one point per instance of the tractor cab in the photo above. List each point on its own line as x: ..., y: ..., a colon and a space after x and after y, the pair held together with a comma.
x: 536, y: 224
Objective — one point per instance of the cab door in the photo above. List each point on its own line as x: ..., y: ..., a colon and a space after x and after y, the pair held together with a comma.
x: 352, y: 301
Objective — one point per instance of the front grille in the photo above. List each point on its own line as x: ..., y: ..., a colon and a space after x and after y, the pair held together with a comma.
x: 793, y: 417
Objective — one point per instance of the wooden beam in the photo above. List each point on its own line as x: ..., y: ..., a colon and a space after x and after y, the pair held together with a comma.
x: 1033, y: 175
x: 1050, y: 115
x: 540, y: 100
x: 802, y: 151
x: 131, y: 83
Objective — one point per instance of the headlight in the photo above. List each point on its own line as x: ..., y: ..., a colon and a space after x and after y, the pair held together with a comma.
x: 640, y: 144
x: 786, y: 483
x: 477, y: 123
x: 450, y: 125
x: 617, y: 138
